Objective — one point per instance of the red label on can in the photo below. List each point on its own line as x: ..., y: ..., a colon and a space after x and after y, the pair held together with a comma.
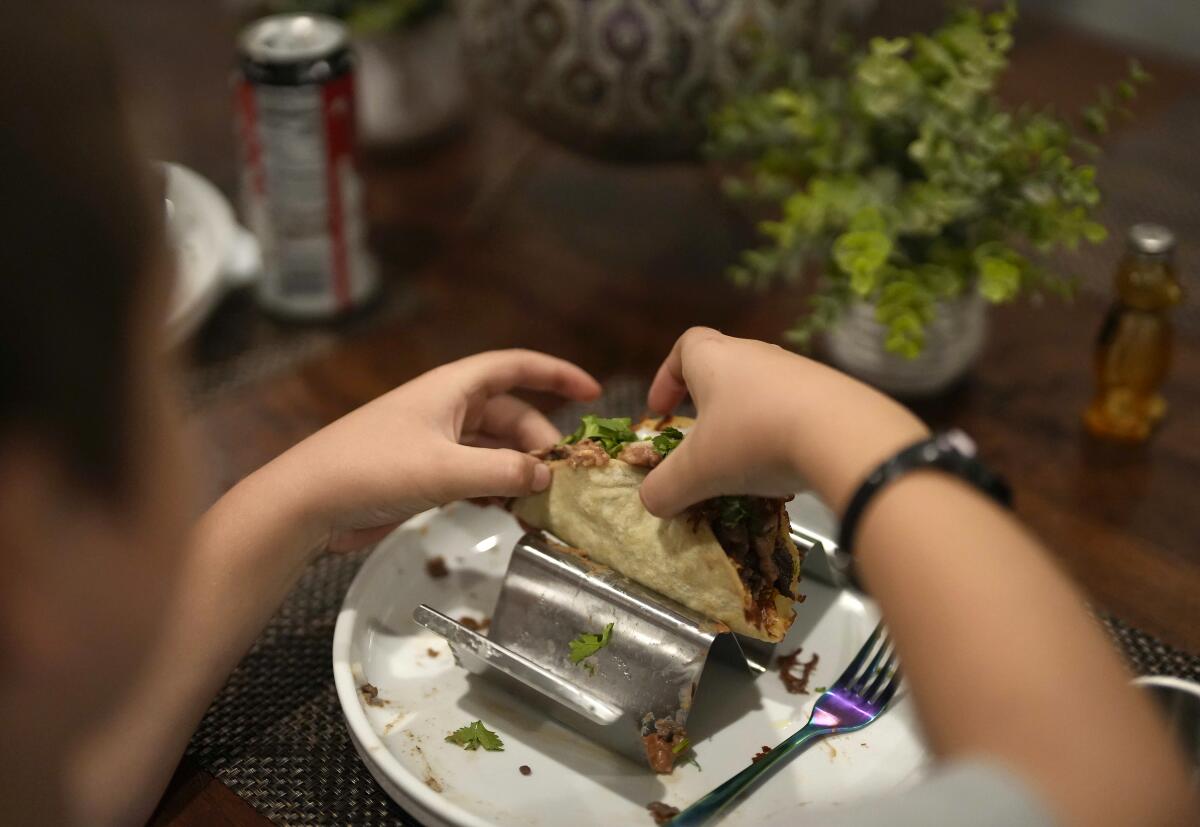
x: 248, y: 137
x: 302, y: 195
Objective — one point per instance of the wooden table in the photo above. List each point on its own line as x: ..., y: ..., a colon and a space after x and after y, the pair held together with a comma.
x: 500, y: 240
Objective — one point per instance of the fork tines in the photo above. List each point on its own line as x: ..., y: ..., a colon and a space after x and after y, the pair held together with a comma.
x: 878, y: 681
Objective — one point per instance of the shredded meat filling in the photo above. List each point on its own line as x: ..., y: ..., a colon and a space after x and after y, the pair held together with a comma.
x: 757, y: 547
x: 783, y: 560
x: 586, y: 454
x: 764, y: 550
x: 662, y: 813
x: 641, y: 454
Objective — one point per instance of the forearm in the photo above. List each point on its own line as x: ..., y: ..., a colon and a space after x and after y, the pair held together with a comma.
x: 244, y: 556
x: 342, y: 489
x: 1000, y: 654
x: 1004, y: 660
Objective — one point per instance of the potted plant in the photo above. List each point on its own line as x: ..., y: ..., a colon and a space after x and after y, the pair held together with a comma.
x: 410, y: 81
x: 912, y: 194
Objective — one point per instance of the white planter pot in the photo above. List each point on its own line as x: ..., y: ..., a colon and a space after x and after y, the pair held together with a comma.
x: 953, y: 341
x: 411, y: 85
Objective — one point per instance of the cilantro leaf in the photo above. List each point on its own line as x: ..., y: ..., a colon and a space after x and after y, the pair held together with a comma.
x: 610, y: 433
x: 667, y: 441
x: 734, y: 511
x: 591, y: 426
x: 475, y: 735
x: 588, y: 644
x: 684, y: 754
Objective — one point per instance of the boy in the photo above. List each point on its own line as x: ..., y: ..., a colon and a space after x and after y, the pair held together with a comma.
x: 114, y: 638
x: 115, y: 635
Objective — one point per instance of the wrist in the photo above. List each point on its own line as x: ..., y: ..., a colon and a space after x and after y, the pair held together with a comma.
x: 951, y: 452
x: 281, y: 499
x: 836, y: 454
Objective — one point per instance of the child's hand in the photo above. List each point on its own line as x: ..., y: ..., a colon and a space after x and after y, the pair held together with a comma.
x: 451, y: 433
x: 768, y: 421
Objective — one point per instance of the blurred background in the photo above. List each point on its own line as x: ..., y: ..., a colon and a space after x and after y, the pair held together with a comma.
x: 457, y: 145
x: 1166, y: 26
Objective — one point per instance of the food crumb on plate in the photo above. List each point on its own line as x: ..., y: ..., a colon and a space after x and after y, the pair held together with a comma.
x: 795, y: 675
x: 435, y: 567
x: 524, y: 770
x: 433, y: 653
x: 370, y: 693
x: 662, y: 813
x: 664, y: 739
x: 761, y: 754
x: 473, y: 624
x: 392, y: 724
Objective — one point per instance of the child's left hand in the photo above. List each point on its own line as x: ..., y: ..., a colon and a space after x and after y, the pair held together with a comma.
x: 451, y: 433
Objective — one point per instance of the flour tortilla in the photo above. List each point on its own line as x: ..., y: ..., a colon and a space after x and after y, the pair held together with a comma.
x: 599, y: 511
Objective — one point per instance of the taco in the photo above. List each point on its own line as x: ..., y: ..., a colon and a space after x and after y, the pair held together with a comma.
x: 730, y: 558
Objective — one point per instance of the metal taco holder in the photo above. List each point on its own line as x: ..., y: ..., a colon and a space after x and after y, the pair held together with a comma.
x: 649, y: 671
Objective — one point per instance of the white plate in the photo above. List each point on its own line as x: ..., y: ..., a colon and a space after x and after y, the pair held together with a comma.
x: 423, y: 696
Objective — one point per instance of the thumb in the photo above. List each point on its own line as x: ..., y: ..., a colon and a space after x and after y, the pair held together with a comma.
x: 679, y: 481
x: 494, y: 472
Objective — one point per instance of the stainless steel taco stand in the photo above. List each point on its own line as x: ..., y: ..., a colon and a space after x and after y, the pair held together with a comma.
x: 649, y: 671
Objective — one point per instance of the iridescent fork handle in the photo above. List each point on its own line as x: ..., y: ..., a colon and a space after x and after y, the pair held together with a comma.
x: 855, y: 700
x: 716, y: 801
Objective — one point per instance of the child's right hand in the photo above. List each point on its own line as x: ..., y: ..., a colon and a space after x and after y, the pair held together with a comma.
x: 769, y: 423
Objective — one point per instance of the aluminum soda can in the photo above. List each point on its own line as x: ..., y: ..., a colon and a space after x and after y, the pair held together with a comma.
x: 301, y: 190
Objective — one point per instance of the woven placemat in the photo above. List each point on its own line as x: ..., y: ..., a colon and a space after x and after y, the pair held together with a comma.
x: 275, y: 735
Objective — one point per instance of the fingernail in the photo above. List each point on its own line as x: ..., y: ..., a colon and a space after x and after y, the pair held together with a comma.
x: 541, y: 476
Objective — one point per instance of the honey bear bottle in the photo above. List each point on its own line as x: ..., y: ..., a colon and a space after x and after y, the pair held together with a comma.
x: 1133, y: 350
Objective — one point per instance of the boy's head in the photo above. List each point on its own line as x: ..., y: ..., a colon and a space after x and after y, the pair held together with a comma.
x: 78, y: 235
x: 90, y: 484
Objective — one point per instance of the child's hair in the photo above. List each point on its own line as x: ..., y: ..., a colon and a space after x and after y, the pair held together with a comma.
x: 79, y: 233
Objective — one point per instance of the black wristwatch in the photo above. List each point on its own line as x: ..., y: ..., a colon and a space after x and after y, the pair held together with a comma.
x: 951, y: 451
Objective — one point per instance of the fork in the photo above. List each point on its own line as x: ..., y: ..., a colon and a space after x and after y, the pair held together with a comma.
x: 856, y: 699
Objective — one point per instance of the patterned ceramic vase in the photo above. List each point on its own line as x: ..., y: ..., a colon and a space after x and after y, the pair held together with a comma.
x: 953, y: 341
x: 631, y: 79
